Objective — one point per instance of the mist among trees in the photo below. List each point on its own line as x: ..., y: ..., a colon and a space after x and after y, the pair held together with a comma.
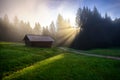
x: 92, y: 31
x: 18, y: 29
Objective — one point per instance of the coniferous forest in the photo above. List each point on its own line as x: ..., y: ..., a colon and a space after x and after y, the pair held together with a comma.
x: 17, y: 30
x: 92, y: 31
x: 96, y: 31
x: 59, y: 40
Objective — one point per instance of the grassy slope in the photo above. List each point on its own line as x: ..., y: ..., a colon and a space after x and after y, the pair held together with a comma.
x: 14, y: 56
x: 24, y: 63
x: 108, y: 52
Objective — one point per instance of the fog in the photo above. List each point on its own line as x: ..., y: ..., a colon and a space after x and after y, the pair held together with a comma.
x: 82, y: 28
x: 42, y: 11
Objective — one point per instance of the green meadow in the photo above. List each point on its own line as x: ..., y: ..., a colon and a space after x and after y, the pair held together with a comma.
x: 107, y: 52
x: 19, y: 62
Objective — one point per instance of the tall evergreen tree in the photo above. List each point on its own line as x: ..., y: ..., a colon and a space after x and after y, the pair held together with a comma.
x: 46, y: 31
x: 16, y: 21
x: 37, y: 29
x: 52, y: 29
x: 6, y: 19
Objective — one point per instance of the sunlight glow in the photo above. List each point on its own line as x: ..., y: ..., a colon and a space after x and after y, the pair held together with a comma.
x: 42, y: 11
x: 69, y: 35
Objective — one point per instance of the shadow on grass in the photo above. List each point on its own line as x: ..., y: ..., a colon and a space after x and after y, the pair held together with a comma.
x: 69, y: 67
x: 31, y: 69
x: 16, y: 56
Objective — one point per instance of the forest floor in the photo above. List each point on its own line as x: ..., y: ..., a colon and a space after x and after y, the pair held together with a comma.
x: 19, y: 62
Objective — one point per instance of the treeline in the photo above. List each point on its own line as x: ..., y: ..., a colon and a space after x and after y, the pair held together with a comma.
x: 96, y: 31
x: 18, y: 29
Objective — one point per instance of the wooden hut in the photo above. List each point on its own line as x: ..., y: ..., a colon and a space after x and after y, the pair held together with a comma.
x: 38, y: 40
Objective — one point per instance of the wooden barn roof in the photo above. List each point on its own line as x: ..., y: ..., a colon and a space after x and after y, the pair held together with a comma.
x: 39, y: 38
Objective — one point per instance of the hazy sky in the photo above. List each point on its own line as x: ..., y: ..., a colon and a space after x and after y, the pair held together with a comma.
x: 45, y: 11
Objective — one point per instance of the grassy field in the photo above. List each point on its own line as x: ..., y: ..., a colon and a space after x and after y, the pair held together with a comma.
x: 15, y: 56
x: 108, y: 52
x: 18, y: 62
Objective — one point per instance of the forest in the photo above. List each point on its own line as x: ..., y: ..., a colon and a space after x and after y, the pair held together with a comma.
x: 96, y: 31
x: 92, y: 30
x: 16, y: 31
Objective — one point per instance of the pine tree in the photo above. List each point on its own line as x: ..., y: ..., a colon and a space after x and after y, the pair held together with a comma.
x: 16, y: 21
x: 6, y: 19
x: 37, y: 29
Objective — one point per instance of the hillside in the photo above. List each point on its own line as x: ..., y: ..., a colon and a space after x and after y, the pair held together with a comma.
x: 18, y: 62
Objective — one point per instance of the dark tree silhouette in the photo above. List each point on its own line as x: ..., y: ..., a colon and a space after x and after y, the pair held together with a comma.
x: 95, y: 31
